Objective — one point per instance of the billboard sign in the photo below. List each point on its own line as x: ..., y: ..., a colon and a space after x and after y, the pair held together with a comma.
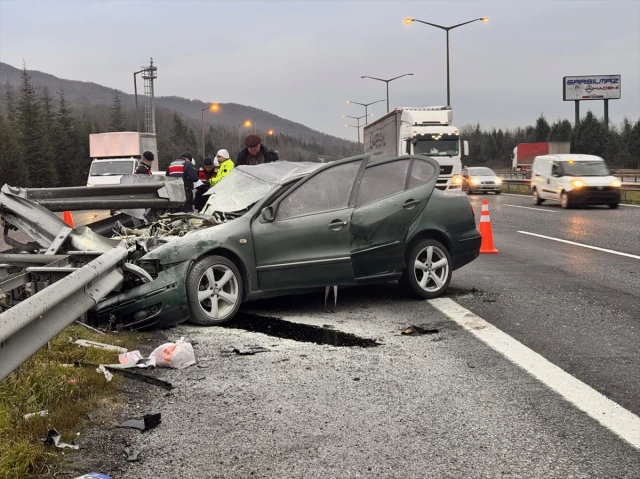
x: 591, y: 87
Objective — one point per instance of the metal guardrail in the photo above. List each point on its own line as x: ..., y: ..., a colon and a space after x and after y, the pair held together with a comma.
x: 627, y: 176
x: 523, y: 186
x: 65, y: 293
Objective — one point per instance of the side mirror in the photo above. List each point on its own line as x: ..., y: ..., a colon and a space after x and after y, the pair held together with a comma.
x: 267, y: 214
x: 465, y: 148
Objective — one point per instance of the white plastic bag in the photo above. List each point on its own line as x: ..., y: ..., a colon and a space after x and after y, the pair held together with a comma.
x: 178, y: 355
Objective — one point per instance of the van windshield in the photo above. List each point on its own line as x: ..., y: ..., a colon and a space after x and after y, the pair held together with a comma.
x: 584, y: 168
x: 112, y: 167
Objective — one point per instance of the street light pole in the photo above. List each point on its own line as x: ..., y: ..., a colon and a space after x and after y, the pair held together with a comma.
x: 365, y: 105
x: 213, y: 108
x: 135, y: 92
x: 409, y: 21
x: 387, y: 82
x: 357, y: 118
x: 246, y: 124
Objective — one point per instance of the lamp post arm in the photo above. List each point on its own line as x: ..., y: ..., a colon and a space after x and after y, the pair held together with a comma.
x: 374, y: 78
x: 395, y: 78
x: 460, y: 24
x: 432, y: 24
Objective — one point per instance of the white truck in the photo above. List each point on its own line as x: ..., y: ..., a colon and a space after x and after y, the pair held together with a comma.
x: 116, y: 154
x: 424, y: 131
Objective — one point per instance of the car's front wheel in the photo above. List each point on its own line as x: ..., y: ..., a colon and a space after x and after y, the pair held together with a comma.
x: 564, y: 200
x: 428, y: 270
x: 536, y: 197
x: 214, y: 291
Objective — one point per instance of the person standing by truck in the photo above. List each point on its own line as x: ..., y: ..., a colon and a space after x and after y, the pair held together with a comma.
x: 255, y: 152
x: 183, y: 168
x: 145, y: 164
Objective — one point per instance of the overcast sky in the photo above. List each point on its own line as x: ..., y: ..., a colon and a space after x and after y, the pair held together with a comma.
x: 302, y: 60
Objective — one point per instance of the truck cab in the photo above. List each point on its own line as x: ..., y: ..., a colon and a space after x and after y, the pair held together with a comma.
x: 108, y: 171
x: 420, y: 131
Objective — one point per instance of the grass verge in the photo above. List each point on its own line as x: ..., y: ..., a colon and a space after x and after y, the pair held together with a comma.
x: 67, y: 393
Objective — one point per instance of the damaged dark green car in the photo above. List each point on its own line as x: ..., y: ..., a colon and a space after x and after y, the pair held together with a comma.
x: 284, y: 228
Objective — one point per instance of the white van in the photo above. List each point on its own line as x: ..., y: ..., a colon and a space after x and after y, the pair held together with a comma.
x: 573, y: 180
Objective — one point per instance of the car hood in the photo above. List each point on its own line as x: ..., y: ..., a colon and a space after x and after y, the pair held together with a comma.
x: 483, y: 178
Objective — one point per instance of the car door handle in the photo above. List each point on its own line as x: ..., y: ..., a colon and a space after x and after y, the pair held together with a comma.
x: 336, y: 225
x: 409, y: 204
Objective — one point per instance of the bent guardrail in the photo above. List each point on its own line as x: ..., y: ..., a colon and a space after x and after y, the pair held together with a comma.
x: 69, y: 292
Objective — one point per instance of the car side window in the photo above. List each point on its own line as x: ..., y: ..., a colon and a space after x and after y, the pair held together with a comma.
x: 382, y: 180
x: 421, y: 172
x: 328, y: 190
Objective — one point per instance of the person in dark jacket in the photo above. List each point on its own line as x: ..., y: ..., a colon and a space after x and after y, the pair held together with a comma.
x: 183, y: 168
x: 145, y: 164
x: 255, y: 152
x: 206, y: 174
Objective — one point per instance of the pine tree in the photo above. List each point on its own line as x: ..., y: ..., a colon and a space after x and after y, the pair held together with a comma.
x: 12, y: 164
x: 117, y: 114
x: 542, y: 129
x: 589, y: 136
x: 634, y: 145
x: 65, y: 143
x: 37, y: 151
x: 10, y: 102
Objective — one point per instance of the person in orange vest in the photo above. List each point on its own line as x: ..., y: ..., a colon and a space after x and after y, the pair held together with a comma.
x: 206, y: 173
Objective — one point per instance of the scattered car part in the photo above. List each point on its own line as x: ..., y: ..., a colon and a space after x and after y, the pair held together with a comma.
x: 148, y: 421
x: 53, y: 438
x: 414, y: 330
x: 85, y: 343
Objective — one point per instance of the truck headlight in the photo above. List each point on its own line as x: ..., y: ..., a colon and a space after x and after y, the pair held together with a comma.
x: 616, y: 183
x: 456, y: 180
x: 577, y: 183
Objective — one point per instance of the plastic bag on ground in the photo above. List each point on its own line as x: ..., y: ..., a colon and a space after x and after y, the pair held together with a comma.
x: 178, y: 355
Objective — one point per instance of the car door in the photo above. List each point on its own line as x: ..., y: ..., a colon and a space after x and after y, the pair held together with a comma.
x: 307, y: 243
x: 391, y: 195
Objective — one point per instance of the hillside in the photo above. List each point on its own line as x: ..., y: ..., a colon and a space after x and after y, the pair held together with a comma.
x: 231, y: 115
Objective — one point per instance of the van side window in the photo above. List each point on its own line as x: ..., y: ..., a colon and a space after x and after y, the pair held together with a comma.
x: 555, y: 171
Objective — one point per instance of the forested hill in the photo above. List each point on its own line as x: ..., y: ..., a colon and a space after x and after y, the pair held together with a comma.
x: 84, y: 94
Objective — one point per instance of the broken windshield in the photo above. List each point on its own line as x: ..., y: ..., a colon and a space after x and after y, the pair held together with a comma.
x: 236, y: 192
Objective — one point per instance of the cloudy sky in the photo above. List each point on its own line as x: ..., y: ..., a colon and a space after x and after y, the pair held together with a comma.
x: 303, y: 59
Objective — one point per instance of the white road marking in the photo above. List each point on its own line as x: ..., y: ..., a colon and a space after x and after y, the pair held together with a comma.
x: 530, y: 208
x: 611, y: 415
x: 632, y: 206
x: 628, y: 255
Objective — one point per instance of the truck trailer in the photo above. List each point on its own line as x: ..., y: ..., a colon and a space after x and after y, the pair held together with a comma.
x: 118, y: 153
x: 524, y: 153
x: 423, y: 131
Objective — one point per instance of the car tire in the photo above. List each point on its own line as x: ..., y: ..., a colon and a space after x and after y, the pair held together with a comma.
x: 613, y: 206
x: 536, y: 198
x: 215, y: 304
x: 413, y: 278
x: 497, y: 192
x: 564, y: 200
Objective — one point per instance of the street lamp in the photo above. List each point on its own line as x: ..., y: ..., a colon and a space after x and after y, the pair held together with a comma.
x: 246, y: 124
x: 213, y: 108
x: 408, y: 21
x: 387, y: 82
x: 365, y: 105
x: 357, y: 118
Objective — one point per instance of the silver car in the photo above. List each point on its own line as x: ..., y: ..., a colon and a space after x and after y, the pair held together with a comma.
x: 480, y: 179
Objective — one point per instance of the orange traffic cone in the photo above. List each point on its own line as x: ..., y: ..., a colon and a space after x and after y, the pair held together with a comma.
x: 67, y: 218
x: 485, y: 230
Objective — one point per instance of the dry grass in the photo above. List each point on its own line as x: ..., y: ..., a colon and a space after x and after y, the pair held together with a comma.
x: 66, y: 392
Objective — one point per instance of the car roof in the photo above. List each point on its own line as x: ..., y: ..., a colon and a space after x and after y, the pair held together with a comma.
x: 568, y: 156
x: 280, y: 171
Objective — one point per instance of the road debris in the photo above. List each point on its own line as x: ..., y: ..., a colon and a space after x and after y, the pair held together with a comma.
x: 53, y: 437
x: 42, y: 413
x: 85, y: 343
x: 118, y: 368
x: 131, y: 453
x: 85, y: 325
x: 415, y: 330
x: 148, y: 421
x: 250, y: 350
x: 107, y: 375
x: 93, y: 475
x: 178, y: 355
x: 134, y: 359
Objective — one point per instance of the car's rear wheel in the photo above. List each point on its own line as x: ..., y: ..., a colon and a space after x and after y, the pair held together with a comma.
x: 214, y: 291
x: 428, y: 270
x: 536, y: 198
x: 497, y: 192
x: 613, y: 206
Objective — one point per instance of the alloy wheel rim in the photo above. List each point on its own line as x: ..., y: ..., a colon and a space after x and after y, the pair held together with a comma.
x: 431, y: 269
x: 218, y: 291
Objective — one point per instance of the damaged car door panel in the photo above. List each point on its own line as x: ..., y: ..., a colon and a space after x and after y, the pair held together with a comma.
x: 285, y: 227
